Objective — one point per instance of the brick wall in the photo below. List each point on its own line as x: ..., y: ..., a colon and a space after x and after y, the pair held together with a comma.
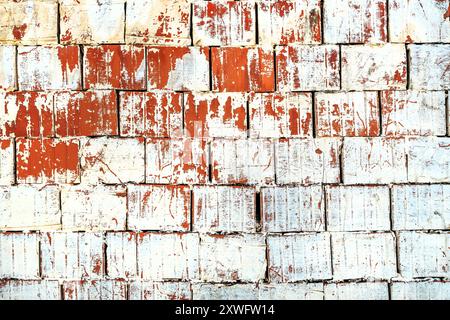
x: 194, y: 149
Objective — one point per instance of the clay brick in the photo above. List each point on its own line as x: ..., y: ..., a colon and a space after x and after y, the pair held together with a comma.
x: 360, y: 21
x: 350, y: 114
x: 94, y: 208
x: 424, y: 290
x: 112, y: 160
x: 374, y: 67
x: 232, y: 258
x: 25, y: 207
x: 308, y: 68
x: 178, y: 68
x: 289, y: 22
x: 121, y: 255
x: 159, y: 207
x: 363, y: 255
x: 28, y: 22
x: 70, y: 255
x: 90, y: 113
x: 149, y: 290
x: 429, y: 66
x: 307, y: 160
x: 429, y: 160
x: 47, y: 160
x: 7, y: 176
x: 406, y: 113
x: 248, y: 161
x: 151, y: 114
x: 242, y: 69
x: 215, y: 115
x: 30, y: 290
x: 26, y: 114
x: 164, y: 256
x: 260, y: 291
x: 49, y: 68
x: 224, y: 209
x: 419, y: 21
x: 357, y: 291
x: 375, y: 160
x: 416, y: 207
x: 275, y: 115
x: 423, y: 254
x: 300, y: 256
x: 158, y: 22
x: 8, y: 78
x: 292, y: 209
x: 19, y: 256
x: 176, y: 161
x: 224, y: 23
x: 95, y: 290
x: 357, y: 208
x: 114, y: 67
x: 87, y: 21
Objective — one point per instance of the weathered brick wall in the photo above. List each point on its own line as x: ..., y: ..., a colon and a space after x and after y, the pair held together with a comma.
x: 192, y: 149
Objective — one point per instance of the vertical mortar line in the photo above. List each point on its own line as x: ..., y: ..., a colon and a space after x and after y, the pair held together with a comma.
x: 391, y: 213
x: 125, y: 22
x: 58, y: 22
x: 331, y: 255
x: 210, y: 69
x: 248, y: 115
x: 447, y: 113
x: 61, y: 289
x: 266, y: 276
x: 209, y: 154
x: 313, y: 115
x: 117, y: 92
x: 389, y: 285
x: 397, y: 252
x: 105, y: 256
x: 256, y: 24
x: 325, y: 211
x: 16, y: 69
x: 387, y: 22
x: 275, y: 71
x: 191, y: 23
x: 14, y: 142
x: 408, y: 67
x: 341, y: 159
x: 258, y: 210
x: 191, y: 209
x: 322, y: 25
x: 340, y: 65
x: 380, y: 112
x: 83, y: 85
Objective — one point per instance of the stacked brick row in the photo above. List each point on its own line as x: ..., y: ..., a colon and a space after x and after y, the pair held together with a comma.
x: 224, y: 149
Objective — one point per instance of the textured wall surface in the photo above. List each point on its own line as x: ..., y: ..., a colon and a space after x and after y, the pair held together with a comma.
x: 188, y: 149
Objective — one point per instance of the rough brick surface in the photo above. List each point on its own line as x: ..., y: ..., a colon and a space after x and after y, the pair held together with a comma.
x: 253, y: 149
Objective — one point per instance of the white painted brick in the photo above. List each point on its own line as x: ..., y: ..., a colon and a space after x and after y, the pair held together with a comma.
x: 176, y: 161
x: 430, y: 290
x: 248, y: 161
x: 93, y: 208
x: 347, y: 114
x: 49, y: 68
x: 87, y: 21
x: 376, y: 160
x: 168, y: 256
x: 275, y: 115
x: 26, y: 207
x: 296, y: 257
x: 363, y: 255
x: 148, y: 290
x: 112, y: 160
x: 28, y: 22
x: 429, y: 160
x: 374, y: 67
x: 158, y: 22
x: 209, y: 291
x: 357, y: 291
x: 289, y: 22
x: 95, y: 290
x: 416, y: 207
x: 224, y: 23
x: 291, y: 209
x: 307, y: 160
x: 308, y: 68
x: 424, y: 254
x: 291, y: 291
x: 121, y: 253
x: 230, y: 258
x: 155, y: 207
x: 72, y: 255
x: 7, y: 156
x: 356, y: 21
x: 29, y: 290
x: 8, y: 79
x: 224, y: 209
x: 357, y: 208
x: 413, y: 113
x: 418, y: 21
x: 428, y: 66
x: 19, y: 255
